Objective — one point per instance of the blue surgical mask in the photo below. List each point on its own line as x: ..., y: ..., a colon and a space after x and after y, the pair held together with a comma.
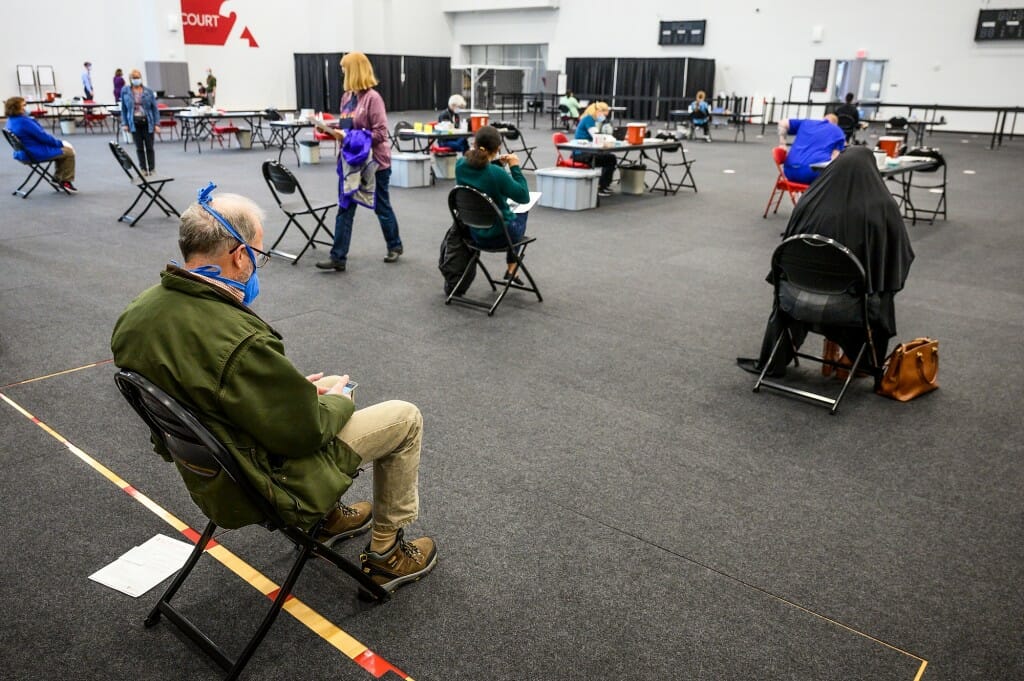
x: 251, y: 288
x: 136, y: 82
x: 600, y: 119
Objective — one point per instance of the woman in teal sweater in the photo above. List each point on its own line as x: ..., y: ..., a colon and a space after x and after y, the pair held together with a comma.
x: 477, y: 170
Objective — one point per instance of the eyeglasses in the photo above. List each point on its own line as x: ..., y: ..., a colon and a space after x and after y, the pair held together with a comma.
x: 261, y: 256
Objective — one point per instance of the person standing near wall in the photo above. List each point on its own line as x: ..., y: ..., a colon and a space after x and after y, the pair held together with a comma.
x: 118, y: 84
x: 211, y: 87
x: 139, y: 116
x: 362, y: 108
x: 87, y: 80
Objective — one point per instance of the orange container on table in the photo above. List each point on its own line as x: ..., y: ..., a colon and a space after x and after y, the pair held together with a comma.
x: 477, y: 121
x: 635, y: 133
x: 890, y: 145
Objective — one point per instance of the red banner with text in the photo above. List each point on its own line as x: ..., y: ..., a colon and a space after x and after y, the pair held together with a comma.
x: 203, y: 24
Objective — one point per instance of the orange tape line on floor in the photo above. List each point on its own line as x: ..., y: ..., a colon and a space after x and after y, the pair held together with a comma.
x: 314, y: 621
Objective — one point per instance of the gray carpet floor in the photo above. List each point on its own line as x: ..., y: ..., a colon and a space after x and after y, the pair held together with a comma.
x: 609, y: 498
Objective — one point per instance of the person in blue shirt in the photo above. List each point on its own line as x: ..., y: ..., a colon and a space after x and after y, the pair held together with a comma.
x: 817, y: 141
x: 594, y: 116
x: 700, y: 115
x: 39, y: 144
x: 87, y: 80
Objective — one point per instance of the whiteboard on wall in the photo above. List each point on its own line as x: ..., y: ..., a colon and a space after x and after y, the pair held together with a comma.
x: 45, y: 75
x: 800, y: 89
x: 26, y: 75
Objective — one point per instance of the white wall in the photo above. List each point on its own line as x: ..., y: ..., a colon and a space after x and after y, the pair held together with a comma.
x: 757, y: 45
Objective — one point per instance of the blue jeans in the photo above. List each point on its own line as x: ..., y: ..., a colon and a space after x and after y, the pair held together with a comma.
x: 385, y: 215
x: 516, y: 231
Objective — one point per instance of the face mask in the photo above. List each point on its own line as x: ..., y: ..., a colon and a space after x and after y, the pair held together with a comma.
x: 136, y: 82
x: 600, y: 119
x: 251, y: 288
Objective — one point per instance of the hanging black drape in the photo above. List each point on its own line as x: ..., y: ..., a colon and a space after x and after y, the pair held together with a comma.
x: 590, y: 78
x: 648, y: 87
x: 311, y: 78
x: 700, y: 75
x: 427, y: 81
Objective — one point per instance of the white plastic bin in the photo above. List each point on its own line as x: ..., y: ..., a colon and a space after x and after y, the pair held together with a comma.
x: 410, y: 170
x: 568, y: 188
x: 444, y: 165
x: 67, y: 127
x: 309, y: 152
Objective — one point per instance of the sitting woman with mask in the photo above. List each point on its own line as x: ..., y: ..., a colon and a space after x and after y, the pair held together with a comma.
x: 850, y: 203
x: 594, y: 116
x: 477, y: 170
x: 453, y: 115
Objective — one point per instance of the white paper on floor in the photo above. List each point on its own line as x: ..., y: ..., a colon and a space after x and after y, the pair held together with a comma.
x: 145, y: 566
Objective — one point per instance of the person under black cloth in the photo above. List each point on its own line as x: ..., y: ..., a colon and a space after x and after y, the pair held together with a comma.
x: 849, y: 203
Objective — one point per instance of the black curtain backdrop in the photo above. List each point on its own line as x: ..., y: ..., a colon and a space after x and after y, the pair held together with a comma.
x: 590, y: 78
x: 649, y: 88
x: 318, y: 81
x: 700, y: 75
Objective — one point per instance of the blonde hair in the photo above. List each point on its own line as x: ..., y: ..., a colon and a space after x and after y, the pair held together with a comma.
x: 358, y: 72
x: 595, y: 108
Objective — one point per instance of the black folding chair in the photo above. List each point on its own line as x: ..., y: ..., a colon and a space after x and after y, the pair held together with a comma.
x: 38, y: 170
x: 511, y: 132
x: 198, y: 453
x: 931, y: 180
x: 282, y: 182
x: 473, y: 210
x: 396, y: 139
x: 149, y: 186
x: 820, y: 283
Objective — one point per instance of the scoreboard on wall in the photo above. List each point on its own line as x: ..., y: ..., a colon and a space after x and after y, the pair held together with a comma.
x: 1000, y: 24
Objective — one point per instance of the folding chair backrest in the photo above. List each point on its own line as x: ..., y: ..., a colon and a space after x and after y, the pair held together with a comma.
x: 125, y: 161
x: 474, y: 209
x: 13, y: 140
x: 191, y: 444
x: 847, y: 124
x: 779, y: 155
x: 820, y: 281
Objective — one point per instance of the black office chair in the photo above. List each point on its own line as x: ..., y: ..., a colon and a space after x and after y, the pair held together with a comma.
x: 931, y: 180
x: 281, y: 181
x: 472, y: 209
x: 149, y: 186
x: 39, y: 170
x: 396, y: 138
x: 896, y: 127
x: 848, y: 124
x: 198, y: 453
x: 820, y: 283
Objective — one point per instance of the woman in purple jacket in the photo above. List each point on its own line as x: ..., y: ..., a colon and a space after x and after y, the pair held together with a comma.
x: 118, y: 84
x: 362, y: 108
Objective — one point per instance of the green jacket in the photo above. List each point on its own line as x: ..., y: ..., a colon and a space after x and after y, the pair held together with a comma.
x: 219, y: 359
x: 496, y: 183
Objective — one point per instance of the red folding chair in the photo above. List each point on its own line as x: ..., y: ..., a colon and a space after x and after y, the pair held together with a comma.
x: 563, y: 162
x: 170, y: 124
x: 782, y: 185
x: 324, y: 137
x: 220, y: 129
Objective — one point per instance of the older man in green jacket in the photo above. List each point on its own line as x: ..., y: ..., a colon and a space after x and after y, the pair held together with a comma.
x: 298, y: 438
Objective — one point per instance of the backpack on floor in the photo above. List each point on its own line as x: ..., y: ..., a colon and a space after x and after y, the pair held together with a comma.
x: 454, y: 258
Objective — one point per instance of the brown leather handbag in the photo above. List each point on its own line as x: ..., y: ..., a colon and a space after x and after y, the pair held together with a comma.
x: 911, y: 370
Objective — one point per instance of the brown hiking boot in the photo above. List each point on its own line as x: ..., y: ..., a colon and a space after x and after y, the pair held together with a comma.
x: 346, y: 521
x: 404, y: 562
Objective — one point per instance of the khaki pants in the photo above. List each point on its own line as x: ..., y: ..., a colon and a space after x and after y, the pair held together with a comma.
x: 64, y: 165
x: 389, y: 434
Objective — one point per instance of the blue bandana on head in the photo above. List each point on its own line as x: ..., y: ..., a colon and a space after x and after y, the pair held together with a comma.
x: 251, y: 288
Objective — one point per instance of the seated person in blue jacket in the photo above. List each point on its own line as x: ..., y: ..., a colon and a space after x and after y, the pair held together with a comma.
x: 477, y: 170
x: 453, y: 114
x: 817, y: 141
x: 39, y: 144
x: 700, y: 114
x: 594, y: 116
